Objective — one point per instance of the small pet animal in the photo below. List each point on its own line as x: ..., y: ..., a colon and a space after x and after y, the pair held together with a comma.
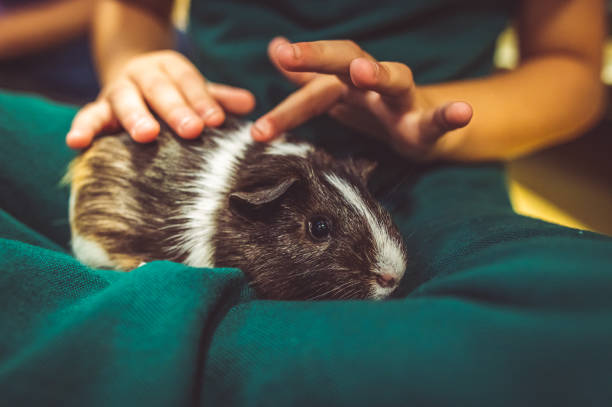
x: 300, y: 223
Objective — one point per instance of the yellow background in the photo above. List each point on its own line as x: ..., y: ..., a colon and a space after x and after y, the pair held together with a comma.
x: 569, y: 184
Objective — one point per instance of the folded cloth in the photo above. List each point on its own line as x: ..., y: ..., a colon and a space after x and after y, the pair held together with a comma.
x: 496, y: 309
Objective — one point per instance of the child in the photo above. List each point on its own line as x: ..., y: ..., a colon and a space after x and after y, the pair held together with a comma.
x: 554, y: 95
x: 495, y: 308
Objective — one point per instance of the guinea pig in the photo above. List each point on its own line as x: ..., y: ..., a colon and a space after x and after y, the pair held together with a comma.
x: 299, y: 223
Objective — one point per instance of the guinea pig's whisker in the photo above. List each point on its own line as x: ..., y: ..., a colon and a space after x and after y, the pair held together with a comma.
x: 346, y: 291
x: 342, y: 291
x: 350, y: 294
x: 384, y: 193
x: 334, y: 290
x: 316, y: 295
x: 302, y: 274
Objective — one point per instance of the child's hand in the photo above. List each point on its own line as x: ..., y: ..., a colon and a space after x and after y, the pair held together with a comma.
x: 378, y: 98
x: 167, y: 83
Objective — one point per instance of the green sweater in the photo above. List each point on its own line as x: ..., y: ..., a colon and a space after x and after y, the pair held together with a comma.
x: 439, y: 39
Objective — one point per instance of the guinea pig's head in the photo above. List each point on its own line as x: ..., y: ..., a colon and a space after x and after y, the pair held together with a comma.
x: 307, y: 228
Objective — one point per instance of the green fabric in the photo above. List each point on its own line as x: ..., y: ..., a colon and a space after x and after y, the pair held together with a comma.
x: 500, y: 309
x: 32, y: 163
x: 496, y: 309
x: 438, y: 39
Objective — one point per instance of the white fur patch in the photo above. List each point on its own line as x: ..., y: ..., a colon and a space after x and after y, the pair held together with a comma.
x: 71, y: 204
x: 390, y: 257
x: 282, y: 147
x: 85, y: 250
x: 212, y: 186
x: 90, y: 253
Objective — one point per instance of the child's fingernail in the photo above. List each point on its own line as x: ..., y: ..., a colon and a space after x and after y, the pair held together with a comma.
x: 142, y: 125
x: 375, y: 68
x: 289, y: 50
x: 212, y: 117
x: 297, y: 51
x: 263, y: 129
x: 186, y: 124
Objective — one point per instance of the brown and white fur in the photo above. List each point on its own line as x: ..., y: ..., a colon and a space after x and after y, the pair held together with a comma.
x: 225, y: 201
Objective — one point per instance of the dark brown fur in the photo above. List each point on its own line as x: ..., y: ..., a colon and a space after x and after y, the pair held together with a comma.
x: 128, y: 196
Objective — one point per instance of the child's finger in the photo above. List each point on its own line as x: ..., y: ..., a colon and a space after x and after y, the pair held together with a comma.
x: 330, y: 57
x: 392, y: 79
x: 313, y: 99
x: 130, y: 109
x: 166, y: 100
x: 299, y: 78
x: 89, y: 121
x: 437, y: 122
x: 192, y: 85
x: 234, y: 100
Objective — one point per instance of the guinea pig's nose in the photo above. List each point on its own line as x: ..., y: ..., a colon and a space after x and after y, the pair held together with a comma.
x: 385, y: 280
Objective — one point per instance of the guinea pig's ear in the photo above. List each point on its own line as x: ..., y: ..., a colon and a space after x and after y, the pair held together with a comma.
x: 252, y: 200
x: 364, y: 168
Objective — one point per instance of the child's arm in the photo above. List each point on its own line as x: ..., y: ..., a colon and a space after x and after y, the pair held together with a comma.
x: 554, y: 95
x: 33, y: 28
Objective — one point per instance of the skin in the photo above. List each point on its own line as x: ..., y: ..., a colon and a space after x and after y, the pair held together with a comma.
x: 34, y: 28
x: 139, y: 74
x: 553, y: 96
x: 378, y: 98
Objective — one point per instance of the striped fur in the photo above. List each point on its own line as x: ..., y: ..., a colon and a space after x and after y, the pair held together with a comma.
x: 171, y: 200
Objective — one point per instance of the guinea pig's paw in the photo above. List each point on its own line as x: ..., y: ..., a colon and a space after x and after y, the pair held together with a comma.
x: 141, y: 264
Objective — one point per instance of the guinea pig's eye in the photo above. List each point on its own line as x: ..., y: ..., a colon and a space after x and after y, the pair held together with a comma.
x: 319, y: 227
